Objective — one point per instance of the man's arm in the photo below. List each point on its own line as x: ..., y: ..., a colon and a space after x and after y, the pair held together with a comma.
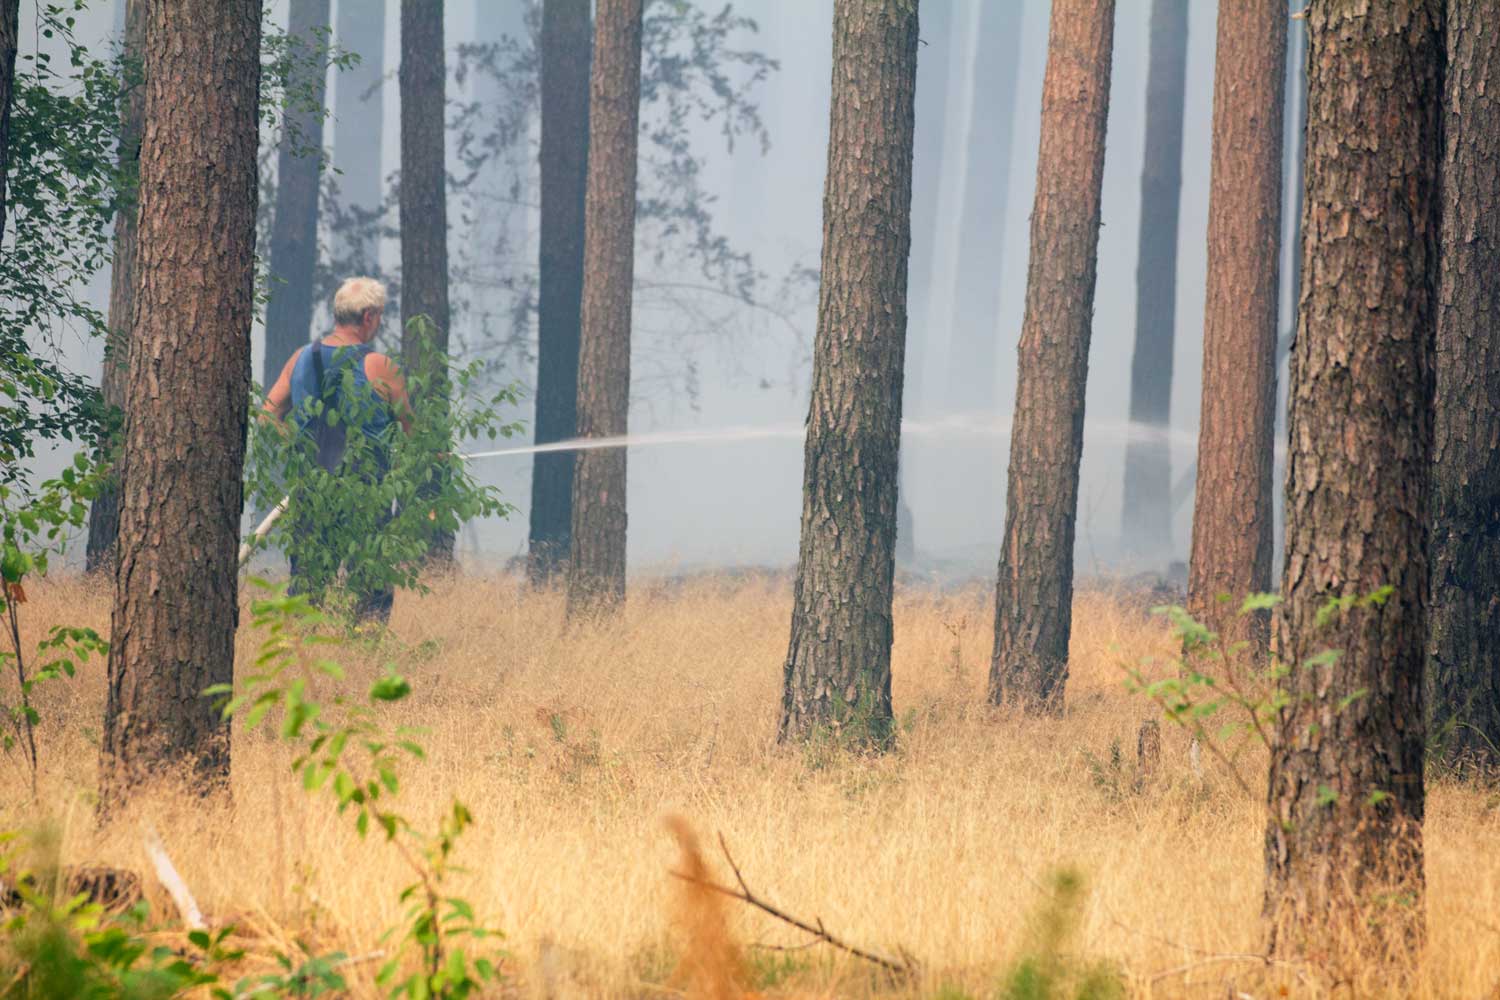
x: 389, y: 383
x: 279, y: 400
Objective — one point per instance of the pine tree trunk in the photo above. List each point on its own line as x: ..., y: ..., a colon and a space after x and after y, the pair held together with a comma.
x: 294, y: 225
x: 1464, y: 656
x: 566, y: 49
x: 10, y: 25
x: 1034, y: 590
x: 596, y: 562
x: 1346, y: 785
x: 358, y: 126
x: 974, y: 339
x: 104, y: 515
x: 1232, y: 519
x: 424, y: 201
x: 186, y: 392
x: 1147, y: 509
x: 838, y: 667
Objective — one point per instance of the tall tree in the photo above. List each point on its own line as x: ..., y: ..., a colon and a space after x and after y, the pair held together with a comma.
x: 1147, y: 510
x: 567, y: 56
x: 294, y: 223
x: 1464, y: 656
x: 838, y: 665
x: 104, y: 516
x: 1346, y: 784
x: 10, y: 26
x: 358, y: 126
x: 974, y: 338
x: 1034, y: 590
x: 424, y: 198
x: 1232, y: 517
x: 932, y: 110
x: 188, y: 378
x: 596, y: 561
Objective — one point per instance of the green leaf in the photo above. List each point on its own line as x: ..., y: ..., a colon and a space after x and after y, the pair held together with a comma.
x: 1260, y: 602
x: 1327, y: 796
x: 391, y: 687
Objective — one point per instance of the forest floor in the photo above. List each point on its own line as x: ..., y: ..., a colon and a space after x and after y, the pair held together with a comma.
x: 571, y: 747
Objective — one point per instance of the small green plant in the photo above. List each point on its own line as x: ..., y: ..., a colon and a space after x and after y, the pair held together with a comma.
x: 367, y: 525
x: 1220, y: 695
x: 347, y: 752
x: 34, y: 527
x: 1048, y: 969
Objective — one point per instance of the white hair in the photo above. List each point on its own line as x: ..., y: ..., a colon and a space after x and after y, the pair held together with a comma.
x: 354, y: 298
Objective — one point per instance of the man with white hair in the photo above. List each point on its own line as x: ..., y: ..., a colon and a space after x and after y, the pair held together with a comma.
x: 316, y: 373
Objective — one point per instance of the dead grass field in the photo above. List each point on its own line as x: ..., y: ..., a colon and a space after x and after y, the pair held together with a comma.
x: 571, y: 748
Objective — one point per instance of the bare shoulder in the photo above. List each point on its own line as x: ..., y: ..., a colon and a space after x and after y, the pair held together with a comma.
x: 379, y: 365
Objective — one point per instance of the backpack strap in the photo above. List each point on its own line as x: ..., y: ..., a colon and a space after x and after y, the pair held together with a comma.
x: 317, y: 364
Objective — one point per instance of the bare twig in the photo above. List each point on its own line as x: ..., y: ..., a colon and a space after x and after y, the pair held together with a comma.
x: 905, y: 966
x: 166, y: 873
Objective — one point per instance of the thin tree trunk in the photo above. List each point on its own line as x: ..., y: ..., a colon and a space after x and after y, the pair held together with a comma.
x: 838, y: 668
x: 974, y: 341
x: 596, y: 563
x: 104, y: 515
x: 1343, y: 840
x: 1147, y: 509
x: 1296, y: 107
x: 424, y: 201
x: 1464, y: 657
x: 1034, y: 589
x: 10, y: 25
x: 294, y: 225
x: 567, y: 55
x: 176, y: 596
x: 932, y: 109
x: 1232, y: 519
x: 358, y: 125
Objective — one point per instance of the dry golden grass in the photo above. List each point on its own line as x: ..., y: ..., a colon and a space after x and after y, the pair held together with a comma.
x: 572, y: 747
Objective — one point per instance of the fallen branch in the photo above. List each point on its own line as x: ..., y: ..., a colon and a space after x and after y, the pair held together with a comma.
x: 905, y: 966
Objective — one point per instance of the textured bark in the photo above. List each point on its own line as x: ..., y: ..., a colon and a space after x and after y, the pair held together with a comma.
x: 566, y: 60
x: 596, y: 561
x: 294, y: 224
x: 424, y: 198
x: 1034, y: 590
x: 1346, y: 790
x: 974, y: 339
x: 838, y: 666
x: 104, y: 515
x: 1147, y: 508
x: 358, y: 122
x: 1464, y: 656
x: 10, y: 23
x: 1232, y: 517
x: 176, y: 599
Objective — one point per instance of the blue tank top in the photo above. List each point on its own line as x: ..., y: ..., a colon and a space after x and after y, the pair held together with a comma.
x: 365, y: 409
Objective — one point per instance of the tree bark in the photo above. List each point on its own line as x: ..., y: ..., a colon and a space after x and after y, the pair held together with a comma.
x: 596, y: 562
x: 186, y: 392
x: 1147, y: 509
x: 567, y: 57
x: 358, y: 125
x: 294, y: 225
x: 1464, y: 656
x: 10, y: 25
x: 837, y: 677
x: 974, y: 343
x: 104, y: 515
x: 1343, y: 840
x: 424, y: 201
x: 1034, y: 589
x: 1232, y: 518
